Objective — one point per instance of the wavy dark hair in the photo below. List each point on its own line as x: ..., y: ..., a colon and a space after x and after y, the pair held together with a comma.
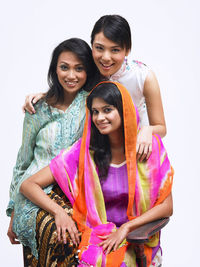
x: 115, y: 28
x: 82, y: 50
x: 99, y: 143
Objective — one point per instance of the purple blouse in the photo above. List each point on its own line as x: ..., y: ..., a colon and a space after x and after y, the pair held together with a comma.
x: 115, y: 191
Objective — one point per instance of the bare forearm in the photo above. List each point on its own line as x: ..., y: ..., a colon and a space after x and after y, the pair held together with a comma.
x: 35, y: 193
x: 162, y: 210
x: 113, y: 240
x: 32, y: 189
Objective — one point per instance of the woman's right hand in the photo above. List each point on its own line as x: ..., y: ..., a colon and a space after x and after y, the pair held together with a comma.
x: 30, y: 100
x: 144, y: 143
x: 12, y: 236
x: 65, y: 222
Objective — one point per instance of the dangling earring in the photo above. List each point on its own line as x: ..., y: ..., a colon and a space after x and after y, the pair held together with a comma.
x: 126, y: 60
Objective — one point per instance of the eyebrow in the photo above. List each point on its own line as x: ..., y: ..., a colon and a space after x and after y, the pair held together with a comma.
x: 111, y: 46
x: 79, y: 64
x: 106, y: 106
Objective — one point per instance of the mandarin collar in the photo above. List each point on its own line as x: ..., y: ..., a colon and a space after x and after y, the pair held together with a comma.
x: 118, y: 74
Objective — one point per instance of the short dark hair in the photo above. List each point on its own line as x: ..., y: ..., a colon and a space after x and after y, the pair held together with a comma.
x: 82, y: 50
x: 99, y: 143
x: 115, y: 28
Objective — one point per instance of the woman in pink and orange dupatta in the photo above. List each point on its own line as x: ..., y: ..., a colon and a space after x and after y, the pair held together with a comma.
x: 111, y: 193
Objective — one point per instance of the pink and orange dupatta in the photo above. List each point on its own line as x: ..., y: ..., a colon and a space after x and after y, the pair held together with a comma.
x: 149, y: 184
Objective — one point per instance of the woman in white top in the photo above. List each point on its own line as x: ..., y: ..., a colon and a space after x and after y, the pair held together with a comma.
x: 111, y: 46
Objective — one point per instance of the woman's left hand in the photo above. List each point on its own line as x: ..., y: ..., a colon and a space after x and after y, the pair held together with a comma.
x: 12, y: 236
x: 112, y: 241
x: 144, y: 143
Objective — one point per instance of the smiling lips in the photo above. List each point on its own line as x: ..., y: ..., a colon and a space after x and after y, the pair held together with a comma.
x: 71, y: 84
x: 106, y: 67
x: 102, y: 125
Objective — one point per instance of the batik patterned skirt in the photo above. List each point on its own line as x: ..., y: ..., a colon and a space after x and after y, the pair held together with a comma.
x: 51, y: 252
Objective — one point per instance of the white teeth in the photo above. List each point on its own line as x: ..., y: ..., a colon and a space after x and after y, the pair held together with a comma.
x: 70, y: 83
x: 106, y: 66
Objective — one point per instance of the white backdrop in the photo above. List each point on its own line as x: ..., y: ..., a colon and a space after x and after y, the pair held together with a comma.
x: 165, y: 36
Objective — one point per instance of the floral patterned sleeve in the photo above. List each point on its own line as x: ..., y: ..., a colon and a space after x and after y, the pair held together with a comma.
x: 31, y: 127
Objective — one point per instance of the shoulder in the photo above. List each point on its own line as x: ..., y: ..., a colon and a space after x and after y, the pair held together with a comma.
x: 42, y: 112
x: 137, y: 70
x: 137, y: 65
x: 157, y: 146
x: 160, y: 155
x: 151, y: 83
x: 41, y: 106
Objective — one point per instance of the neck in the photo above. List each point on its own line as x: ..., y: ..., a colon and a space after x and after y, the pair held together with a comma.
x: 117, y: 147
x: 116, y: 143
x: 68, y: 99
x: 116, y: 139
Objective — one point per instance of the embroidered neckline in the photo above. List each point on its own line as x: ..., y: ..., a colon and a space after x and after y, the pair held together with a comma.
x: 73, y: 104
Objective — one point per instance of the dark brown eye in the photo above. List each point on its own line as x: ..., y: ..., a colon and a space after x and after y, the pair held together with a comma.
x: 98, y: 47
x: 94, y: 112
x: 63, y: 67
x: 116, y: 50
x: 107, y: 110
x: 80, y: 68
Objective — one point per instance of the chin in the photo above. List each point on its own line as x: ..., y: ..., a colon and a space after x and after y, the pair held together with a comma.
x: 104, y: 132
x: 106, y: 73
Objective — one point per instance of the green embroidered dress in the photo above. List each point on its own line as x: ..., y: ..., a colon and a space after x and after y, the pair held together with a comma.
x: 45, y: 133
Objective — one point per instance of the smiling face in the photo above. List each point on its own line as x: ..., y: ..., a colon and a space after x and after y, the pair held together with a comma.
x: 106, y: 117
x: 108, y: 56
x: 71, y: 73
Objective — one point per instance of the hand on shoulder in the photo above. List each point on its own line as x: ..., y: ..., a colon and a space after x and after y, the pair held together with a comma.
x: 30, y: 100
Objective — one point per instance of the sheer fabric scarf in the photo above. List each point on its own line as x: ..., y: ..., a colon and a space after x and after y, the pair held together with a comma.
x: 149, y: 184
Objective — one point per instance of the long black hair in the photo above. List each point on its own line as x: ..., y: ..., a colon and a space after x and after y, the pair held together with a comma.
x: 99, y: 143
x: 115, y: 28
x: 82, y: 50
